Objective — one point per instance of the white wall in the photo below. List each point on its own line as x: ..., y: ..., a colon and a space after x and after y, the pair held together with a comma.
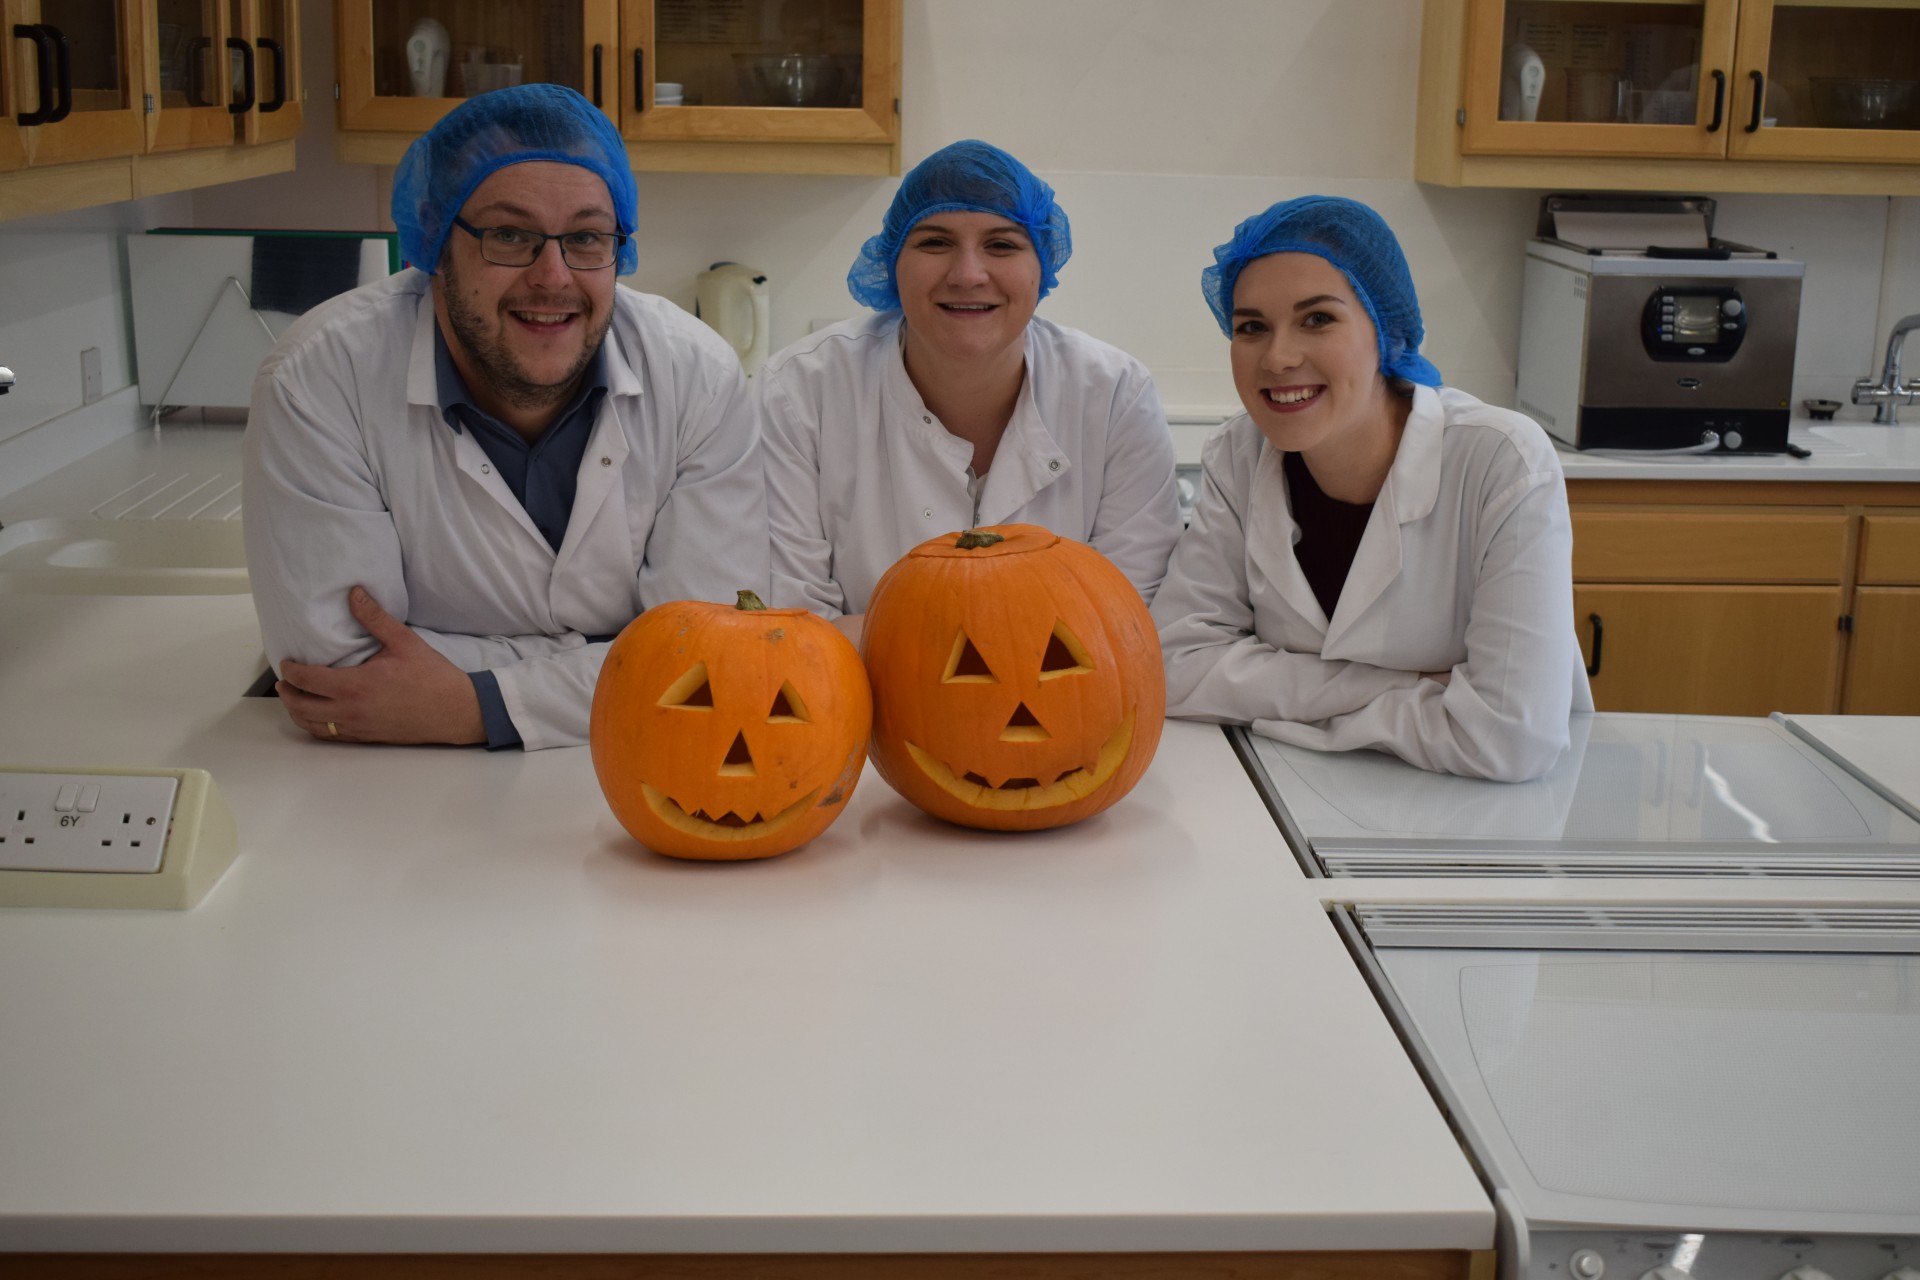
x: 1161, y: 125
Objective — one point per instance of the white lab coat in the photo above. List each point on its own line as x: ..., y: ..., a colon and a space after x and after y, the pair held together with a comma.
x: 352, y: 476
x: 860, y: 471
x: 1465, y: 567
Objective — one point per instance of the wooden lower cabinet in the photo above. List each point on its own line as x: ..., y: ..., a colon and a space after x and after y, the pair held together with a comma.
x: 1746, y: 598
x: 1883, y: 671
x: 1710, y: 650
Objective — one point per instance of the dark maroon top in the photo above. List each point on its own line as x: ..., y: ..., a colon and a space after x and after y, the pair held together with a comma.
x: 1330, y: 532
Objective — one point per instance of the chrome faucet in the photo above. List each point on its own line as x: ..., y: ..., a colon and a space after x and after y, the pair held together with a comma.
x: 1888, y: 394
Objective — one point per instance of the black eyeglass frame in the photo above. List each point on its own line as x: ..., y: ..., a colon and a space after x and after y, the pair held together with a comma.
x: 620, y: 239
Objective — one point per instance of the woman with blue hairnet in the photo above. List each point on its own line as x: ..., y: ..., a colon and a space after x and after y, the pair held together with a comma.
x: 954, y: 405
x: 1377, y: 560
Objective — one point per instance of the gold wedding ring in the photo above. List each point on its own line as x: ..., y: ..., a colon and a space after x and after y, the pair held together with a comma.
x: 333, y: 730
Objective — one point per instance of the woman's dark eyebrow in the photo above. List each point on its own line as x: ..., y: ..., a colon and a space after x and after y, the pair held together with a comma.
x: 1007, y: 229
x: 1316, y: 300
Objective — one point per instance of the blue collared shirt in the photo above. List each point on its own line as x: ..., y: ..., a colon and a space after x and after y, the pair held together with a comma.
x: 543, y: 475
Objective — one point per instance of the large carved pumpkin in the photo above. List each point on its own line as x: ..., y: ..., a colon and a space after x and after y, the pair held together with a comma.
x: 1016, y: 679
x: 729, y: 732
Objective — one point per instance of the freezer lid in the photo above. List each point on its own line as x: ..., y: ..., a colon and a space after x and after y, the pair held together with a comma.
x: 1635, y: 795
x: 1676, y: 1090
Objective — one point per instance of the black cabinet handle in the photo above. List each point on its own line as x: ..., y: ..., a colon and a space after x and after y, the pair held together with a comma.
x: 62, y: 71
x: 597, y: 51
x: 1599, y: 635
x: 1719, y: 100
x: 248, y: 85
x: 279, y: 56
x: 639, y: 79
x: 43, y: 59
x: 1759, y: 96
x: 196, y: 95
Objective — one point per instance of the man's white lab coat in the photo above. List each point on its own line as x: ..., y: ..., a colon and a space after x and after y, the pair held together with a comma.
x: 352, y: 476
x: 860, y: 472
x: 1465, y: 567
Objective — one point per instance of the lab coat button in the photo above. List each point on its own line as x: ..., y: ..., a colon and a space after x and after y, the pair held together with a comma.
x: 926, y: 418
x: 1054, y: 465
x: 485, y: 470
x: 606, y: 462
x: 927, y: 514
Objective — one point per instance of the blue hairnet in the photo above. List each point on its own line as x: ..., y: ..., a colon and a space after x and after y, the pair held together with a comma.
x: 964, y: 175
x: 1356, y: 240
x: 487, y: 133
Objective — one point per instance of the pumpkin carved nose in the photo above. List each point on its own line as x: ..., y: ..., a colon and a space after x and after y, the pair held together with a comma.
x: 1024, y: 726
x: 739, y: 761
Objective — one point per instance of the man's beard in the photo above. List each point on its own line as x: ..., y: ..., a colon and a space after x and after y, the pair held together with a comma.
x: 493, y: 360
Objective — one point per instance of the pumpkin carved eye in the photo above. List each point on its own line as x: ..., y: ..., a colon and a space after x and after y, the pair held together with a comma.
x: 1065, y: 655
x: 690, y: 692
x: 787, y: 707
x: 965, y: 665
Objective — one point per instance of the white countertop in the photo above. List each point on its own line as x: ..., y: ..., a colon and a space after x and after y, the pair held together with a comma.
x: 1842, y: 451
x: 1883, y: 749
x: 442, y: 1002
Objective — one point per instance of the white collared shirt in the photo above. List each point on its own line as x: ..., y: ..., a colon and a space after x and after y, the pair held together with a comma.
x: 1465, y: 567
x: 350, y: 476
x: 860, y: 471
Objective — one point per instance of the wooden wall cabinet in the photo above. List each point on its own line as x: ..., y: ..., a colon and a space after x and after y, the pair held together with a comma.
x: 1744, y: 599
x: 105, y: 100
x: 1724, y: 95
x: 807, y: 86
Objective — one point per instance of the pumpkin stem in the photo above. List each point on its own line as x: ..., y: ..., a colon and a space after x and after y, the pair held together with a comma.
x: 749, y: 602
x: 974, y: 539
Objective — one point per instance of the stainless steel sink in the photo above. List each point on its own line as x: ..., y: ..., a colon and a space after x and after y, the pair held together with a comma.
x: 122, y: 557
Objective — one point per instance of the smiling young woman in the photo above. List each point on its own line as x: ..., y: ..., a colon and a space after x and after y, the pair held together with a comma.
x: 954, y: 405
x: 1376, y: 560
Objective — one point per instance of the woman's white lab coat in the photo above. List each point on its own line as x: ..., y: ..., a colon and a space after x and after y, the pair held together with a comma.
x: 859, y: 471
x: 1465, y: 567
x: 352, y: 476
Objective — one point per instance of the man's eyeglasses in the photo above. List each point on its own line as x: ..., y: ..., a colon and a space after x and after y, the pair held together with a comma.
x: 519, y: 247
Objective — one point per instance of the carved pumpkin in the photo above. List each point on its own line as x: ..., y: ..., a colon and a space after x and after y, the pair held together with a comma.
x: 729, y: 732
x: 1016, y: 679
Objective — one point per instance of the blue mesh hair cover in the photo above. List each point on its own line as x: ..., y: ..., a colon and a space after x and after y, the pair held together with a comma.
x: 489, y: 132
x: 1353, y: 238
x: 964, y: 175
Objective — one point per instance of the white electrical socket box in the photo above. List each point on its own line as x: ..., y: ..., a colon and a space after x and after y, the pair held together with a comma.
x: 111, y: 837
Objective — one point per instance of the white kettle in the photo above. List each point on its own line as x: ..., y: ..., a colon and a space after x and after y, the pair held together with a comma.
x: 733, y: 300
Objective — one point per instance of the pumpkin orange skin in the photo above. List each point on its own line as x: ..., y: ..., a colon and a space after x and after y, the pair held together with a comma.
x: 962, y: 734
x: 756, y: 764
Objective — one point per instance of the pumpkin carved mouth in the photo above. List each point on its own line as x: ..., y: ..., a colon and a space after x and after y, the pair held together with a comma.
x: 1030, y: 793
x: 728, y: 826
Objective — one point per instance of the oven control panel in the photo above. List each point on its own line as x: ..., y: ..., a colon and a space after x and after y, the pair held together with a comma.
x: 1698, y: 323
x: 1712, y: 1255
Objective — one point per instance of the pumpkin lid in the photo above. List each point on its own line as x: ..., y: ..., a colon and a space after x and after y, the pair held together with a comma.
x: 1002, y: 540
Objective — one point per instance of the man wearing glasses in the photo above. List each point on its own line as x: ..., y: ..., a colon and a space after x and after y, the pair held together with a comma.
x: 462, y: 481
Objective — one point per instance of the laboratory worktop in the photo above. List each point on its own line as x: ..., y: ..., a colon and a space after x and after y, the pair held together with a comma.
x: 1840, y: 452
x: 442, y: 1003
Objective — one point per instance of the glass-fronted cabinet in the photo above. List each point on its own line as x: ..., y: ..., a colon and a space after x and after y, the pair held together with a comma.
x: 1829, y: 80
x: 1826, y: 81
x: 193, y: 74
x: 759, y: 70
x: 1598, y: 77
x: 406, y: 63
x: 71, y: 80
x: 740, y: 85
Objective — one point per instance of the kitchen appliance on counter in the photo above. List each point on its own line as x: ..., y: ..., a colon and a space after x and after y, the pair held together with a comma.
x: 1660, y: 1092
x: 1641, y: 331
x: 1634, y: 796
x: 734, y: 302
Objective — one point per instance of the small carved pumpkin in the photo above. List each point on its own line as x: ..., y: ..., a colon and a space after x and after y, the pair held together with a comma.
x: 729, y: 732
x: 1016, y: 679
